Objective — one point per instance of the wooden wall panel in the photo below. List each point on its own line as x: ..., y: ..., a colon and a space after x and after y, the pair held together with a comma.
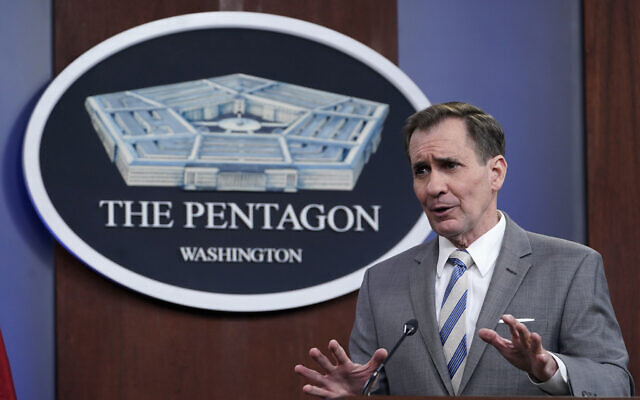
x: 113, y: 343
x: 612, y: 121
x: 79, y: 25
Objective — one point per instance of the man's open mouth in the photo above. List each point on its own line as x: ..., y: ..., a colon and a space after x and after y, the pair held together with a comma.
x: 440, y: 210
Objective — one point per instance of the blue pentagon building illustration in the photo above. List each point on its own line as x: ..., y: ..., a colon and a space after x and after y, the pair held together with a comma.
x: 237, y: 132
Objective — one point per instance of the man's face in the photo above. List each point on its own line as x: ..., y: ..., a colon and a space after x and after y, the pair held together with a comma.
x: 457, y: 191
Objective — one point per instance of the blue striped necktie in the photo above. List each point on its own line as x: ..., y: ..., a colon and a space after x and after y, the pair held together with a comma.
x: 452, y: 317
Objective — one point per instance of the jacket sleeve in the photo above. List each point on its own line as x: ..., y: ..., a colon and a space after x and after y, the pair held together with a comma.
x: 590, y: 342
x: 364, y: 340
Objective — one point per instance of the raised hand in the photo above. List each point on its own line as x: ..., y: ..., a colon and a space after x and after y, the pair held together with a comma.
x: 340, y: 377
x: 524, y: 350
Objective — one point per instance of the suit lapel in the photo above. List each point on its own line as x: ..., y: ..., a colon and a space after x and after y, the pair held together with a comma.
x: 422, y: 288
x: 511, y: 268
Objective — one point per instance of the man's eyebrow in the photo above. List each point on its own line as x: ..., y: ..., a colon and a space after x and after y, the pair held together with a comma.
x: 419, y: 164
x: 444, y: 160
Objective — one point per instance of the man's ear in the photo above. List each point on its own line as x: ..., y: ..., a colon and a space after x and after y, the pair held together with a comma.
x: 498, y: 167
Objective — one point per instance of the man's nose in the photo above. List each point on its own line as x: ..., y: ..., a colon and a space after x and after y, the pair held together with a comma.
x: 437, y: 184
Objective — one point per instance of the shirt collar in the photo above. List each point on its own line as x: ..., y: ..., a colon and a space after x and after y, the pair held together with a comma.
x: 484, y: 250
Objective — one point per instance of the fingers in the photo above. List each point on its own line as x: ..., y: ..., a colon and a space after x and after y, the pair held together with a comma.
x: 544, y: 365
x: 512, y: 324
x: 378, y: 357
x: 319, y: 382
x: 332, y: 380
x: 490, y: 336
x: 524, y: 334
x: 321, y: 359
x: 536, y: 344
x: 542, y: 359
x: 308, y: 373
x: 520, y: 334
x: 524, y: 350
x: 547, y: 362
x: 338, y: 352
x: 317, y: 391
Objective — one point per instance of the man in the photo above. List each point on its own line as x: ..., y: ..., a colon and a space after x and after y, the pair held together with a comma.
x: 478, y: 290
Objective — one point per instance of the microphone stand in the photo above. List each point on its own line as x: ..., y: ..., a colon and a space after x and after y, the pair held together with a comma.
x: 410, y: 327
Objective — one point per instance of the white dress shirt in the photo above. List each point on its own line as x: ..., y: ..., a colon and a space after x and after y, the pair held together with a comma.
x: 484, y: 251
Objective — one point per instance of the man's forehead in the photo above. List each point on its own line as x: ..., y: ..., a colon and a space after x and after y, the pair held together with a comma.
x: 446, y: 139
x: 448, y: 127
x: 443, y: 138
x: 437, y: 153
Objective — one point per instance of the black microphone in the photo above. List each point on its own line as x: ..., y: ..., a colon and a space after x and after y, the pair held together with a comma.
x: 410, y: 327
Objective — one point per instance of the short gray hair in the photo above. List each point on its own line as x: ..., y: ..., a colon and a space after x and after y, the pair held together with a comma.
x: 482, y: 128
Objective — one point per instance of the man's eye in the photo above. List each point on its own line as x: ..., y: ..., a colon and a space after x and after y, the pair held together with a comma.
x: 421, y: 170
x: 451, y: 165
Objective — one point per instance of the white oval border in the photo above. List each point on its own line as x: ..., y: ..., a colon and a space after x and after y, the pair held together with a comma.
x: 182, y: 23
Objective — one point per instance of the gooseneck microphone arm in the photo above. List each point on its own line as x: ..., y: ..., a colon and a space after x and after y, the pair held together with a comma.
x: 410, y: 327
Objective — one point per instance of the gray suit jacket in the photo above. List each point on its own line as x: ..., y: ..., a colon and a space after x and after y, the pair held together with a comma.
x: 560, y: 284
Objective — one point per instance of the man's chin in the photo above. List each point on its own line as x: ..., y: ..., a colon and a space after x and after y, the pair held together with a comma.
x: 447, y: 229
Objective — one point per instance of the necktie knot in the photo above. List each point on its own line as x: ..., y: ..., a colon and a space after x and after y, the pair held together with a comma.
x: 461, y: 258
